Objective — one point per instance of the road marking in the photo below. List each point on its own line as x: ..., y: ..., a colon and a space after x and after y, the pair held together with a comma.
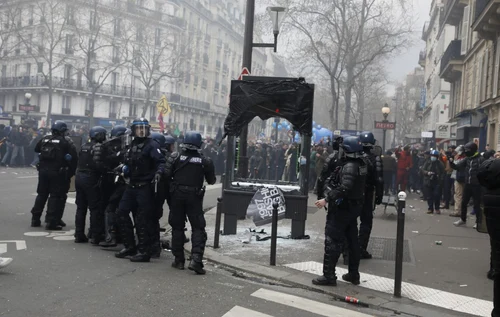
x: 20, y: 244
x: 3, y: 248
x: 422, y: 294
x: 238, y: 311
x: 305, y: 304
x: 34, y: 176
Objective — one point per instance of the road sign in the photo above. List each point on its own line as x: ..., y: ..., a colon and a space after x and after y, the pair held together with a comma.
x: 244, y: 72
x: 30, y: 108
x: 385, y: 125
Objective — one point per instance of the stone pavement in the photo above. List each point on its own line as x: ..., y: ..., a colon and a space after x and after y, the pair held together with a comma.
x: 450, y: 276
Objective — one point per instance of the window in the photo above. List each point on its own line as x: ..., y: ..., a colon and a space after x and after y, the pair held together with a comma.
x: 67, y: 71
x: 93, y: 20
x: 28, y: 69
x: 117, y: 27
x: 139, y: 35
x: 69, y: 44
x: 16, y: 70
x: 66, y: 102
x: 113, y: 109
x: 70, y: 15
x: 4, y: 71
x: 40, y: 68
x: 158, y: 6
x: 116, y: 54
x: 114, y: 80
x: 465, y: 31
x: 87, y: 106
x: 137, y: 59
x: 496, y: 70
x: 158, y: 37
x: 91, y: 75
x: 30, y: 44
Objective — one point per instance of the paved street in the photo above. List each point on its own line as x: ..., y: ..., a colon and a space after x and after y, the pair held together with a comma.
x: 451, y: 274
x: 52, y: 276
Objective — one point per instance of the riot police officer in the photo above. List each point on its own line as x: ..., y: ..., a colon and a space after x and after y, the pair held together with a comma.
x: 159, y: 200
x: 143, y: 166
x: 112, y: 155
x: 345, y: 202
x: 88, y: 191
x: 58, y: 159
x: 374, y: 191
x: 188, y: 169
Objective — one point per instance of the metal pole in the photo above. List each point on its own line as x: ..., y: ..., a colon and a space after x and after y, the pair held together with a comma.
x: 247, y: 62
x: 274, y: 233
x: 277, y: 121
x: 383, y: 142
x: 399, y: 244
x: 217, y: 222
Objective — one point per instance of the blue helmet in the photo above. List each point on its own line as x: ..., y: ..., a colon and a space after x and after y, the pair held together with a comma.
x: 141, y: 124
x: 118, y: 131
x: 169, y: 140
x: 160, y: 138
x: 193, y: 138
x: 98, y: 133
x: 352, y: 144
x: 434, y: 153
x: 59, y: 127
x: 367, y: 138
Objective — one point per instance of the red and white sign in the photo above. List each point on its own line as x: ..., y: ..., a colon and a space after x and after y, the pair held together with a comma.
x: 244, y: 72
x: 385, y: 125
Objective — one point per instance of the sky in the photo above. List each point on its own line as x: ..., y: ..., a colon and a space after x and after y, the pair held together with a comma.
x: 406, y: 62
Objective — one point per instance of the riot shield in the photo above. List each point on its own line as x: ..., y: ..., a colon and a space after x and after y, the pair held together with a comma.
x: 77, y: 141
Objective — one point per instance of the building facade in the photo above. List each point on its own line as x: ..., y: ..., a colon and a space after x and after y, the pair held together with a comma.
x: 112, y: 60
x: 470, y: 65
x: 435, y: 105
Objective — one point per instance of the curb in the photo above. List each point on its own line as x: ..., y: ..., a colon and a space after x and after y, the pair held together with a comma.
x: 302, y: 280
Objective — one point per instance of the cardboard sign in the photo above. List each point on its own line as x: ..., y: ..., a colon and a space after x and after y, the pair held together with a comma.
x: 261, y: 205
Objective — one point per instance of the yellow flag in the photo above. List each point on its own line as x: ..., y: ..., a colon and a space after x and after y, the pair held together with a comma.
x: 162, y: 106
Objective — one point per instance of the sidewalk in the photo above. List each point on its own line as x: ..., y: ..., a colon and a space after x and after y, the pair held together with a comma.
x: 430, y: 270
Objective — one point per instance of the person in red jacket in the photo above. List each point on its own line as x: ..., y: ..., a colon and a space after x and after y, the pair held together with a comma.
x: 404, y: 165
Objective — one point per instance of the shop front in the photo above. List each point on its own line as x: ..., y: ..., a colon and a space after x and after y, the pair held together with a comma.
x: 471, y: 126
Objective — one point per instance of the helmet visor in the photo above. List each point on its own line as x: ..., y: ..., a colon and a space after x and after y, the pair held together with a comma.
x: 141, y: 131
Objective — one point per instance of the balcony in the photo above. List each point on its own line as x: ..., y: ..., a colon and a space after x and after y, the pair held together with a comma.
x: 487, y: 15
x: 421, y: 58
x: 454, y: 11
x: 154, y: 15
x: 452, y: 62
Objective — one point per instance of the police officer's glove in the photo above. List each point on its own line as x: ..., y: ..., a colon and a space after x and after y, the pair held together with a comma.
x: 157, y: 178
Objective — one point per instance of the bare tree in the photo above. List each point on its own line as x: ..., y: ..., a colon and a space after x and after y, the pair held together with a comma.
x: 345, y: 37
x: 53, y: 44
x: 102, y: 45
x: 9, y: 16
x: 157, y: 54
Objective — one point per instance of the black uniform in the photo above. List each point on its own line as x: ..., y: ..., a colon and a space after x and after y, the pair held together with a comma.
x: 328, y: 169
x: 188, y: 170
x: 345, y: 202
x: 88, y: 195
x: 144, y: 160
x: 54, y: 173
x: 113, y: 187
x: 374, y: 192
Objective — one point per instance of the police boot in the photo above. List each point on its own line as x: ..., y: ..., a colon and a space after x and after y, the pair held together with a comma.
x: 62, y: 223
x: 351, y: 278
x: 196, y: 264
x: 110, y: 240
x: 35, y: 220
x: 127, y: 234
x: 178, y: 264
x: 365, y: 255
x: 328, y: 277
x: 53, y: 227
x: 81, y: 238
x: 156, y: 250
x: 143, y: 247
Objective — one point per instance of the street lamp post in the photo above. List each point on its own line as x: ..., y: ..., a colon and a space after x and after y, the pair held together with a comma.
x: 277, y: 14
x: 385, y: 112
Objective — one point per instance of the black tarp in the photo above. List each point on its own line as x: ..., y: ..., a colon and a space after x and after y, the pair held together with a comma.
x: 291, y: 99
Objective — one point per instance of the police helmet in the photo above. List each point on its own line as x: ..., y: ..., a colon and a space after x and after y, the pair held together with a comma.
x: 193, y: 138
x: 98, y: 133
x: 169, y: 140
x: 118, y: 131
x: 160, y: 138
x: 367, y: 138
x: 140, y: 128
x: 434, y: 153
x: 470, y: 149
x: 59, y: 127
x: 352, y: 144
